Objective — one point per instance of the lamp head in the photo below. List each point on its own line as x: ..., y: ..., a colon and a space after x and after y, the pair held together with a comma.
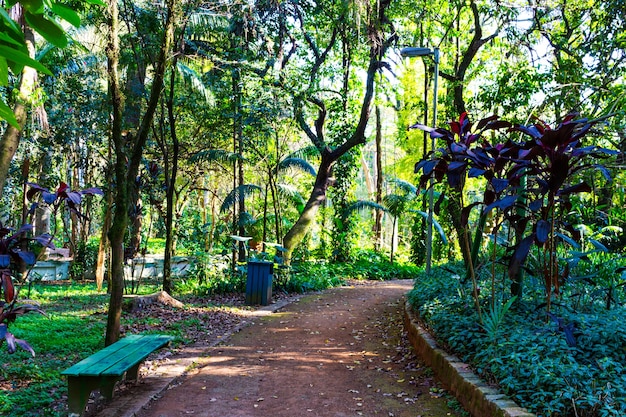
x: 416, y: 51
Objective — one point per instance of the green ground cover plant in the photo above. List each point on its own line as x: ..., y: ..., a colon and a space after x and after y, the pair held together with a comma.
x: 530, y: 355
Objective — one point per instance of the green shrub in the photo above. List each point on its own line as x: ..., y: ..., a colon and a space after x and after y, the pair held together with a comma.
x: 531, y: 359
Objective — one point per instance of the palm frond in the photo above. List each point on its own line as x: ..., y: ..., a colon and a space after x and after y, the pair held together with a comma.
x: 436, y: 225
x: 396, y: 203
x: 238, y: 194
x: 405, y: 186
x: 206, y: 26
x: 192, y: 78
x: 360, y: 205
x: 297, y: 163
x: 308, y: 153
x: 246, y: 219
x: 216, y: 155
x: 290, y: 192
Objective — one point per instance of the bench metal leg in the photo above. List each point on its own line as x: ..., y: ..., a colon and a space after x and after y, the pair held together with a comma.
x: 133, y: 373
x: 79, y: 389
x: 107, y: 385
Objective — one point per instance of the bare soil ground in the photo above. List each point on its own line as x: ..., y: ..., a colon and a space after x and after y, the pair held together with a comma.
x: 341, y: 352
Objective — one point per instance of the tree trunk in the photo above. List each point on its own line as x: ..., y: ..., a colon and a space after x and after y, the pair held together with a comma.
x: 378, y: 224
x: 170, y: 191
x: 297, y: 232
x: 127, y: 166
x: 11, y: 138
x: 120, y: 218
x: 103, y: 248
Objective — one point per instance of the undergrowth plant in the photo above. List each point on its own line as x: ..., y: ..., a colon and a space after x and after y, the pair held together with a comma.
x: 530, y: 172
x: 17, y: 256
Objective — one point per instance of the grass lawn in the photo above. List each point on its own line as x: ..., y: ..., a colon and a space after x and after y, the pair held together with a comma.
x: 74, y: 328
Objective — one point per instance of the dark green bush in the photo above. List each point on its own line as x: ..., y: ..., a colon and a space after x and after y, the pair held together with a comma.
x: 529, y: 357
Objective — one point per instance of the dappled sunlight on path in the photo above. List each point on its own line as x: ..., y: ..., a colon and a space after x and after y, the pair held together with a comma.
x: 337, y: 353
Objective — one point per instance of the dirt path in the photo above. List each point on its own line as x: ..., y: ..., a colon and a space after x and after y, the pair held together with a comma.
x: 337, y: 353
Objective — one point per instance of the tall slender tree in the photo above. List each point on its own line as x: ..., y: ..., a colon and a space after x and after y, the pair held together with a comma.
x: 381, y: 36
x: 128, y: 150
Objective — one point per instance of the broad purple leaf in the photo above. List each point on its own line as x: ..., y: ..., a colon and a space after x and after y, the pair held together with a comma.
x: 475, y: 172
x: 489, y: 197
x: 454, y: 178
x: 74, y: 197
x: 27, y: 308
x: 499, y: 124
x: 519, y: 255
x: 45, y: 240
x: 583, y: 187
x: 535, y: 205
x: 486, y: 121
x: 24, y: 345
x: 22, y: 230
x: 542, y: 231
x: 10, y: 342
x: 422, y: 127
x: 92, y: 191
x: 34, y: 189
x: 471, y: 139
x: 465, y: 212
x: 529, y: 130
x: 499, y: 184
x: 429, y: 166
x: 502, y: 204
x: 457, y: 165
x: 605, y: 172
x: 28, y: 257
x: 48, y: 198
x: 457, y: 148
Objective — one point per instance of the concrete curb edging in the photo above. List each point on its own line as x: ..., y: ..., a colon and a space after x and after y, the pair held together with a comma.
x: 476, y: 396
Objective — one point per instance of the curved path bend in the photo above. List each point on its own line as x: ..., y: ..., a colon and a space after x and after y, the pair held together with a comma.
x: 341, y: 352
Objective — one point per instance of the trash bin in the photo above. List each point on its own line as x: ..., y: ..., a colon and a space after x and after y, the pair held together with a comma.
x: 259, y: 283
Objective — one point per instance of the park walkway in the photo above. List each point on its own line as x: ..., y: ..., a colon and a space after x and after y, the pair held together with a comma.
x: 337, y: 353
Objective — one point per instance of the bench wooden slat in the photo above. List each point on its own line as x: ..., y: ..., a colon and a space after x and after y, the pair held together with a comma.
x: 104, y: 368
x: 94, y: 361
x: 136, y: 354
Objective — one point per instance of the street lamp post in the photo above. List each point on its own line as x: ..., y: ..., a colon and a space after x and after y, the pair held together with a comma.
x: 411, y: 52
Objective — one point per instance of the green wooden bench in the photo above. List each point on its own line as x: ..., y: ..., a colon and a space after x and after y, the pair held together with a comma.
x: 107, y: 366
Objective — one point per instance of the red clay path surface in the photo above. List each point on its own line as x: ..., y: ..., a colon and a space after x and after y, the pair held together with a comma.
x: 338, y: 353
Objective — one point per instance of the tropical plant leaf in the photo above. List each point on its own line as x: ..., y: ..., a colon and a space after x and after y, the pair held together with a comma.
x: 290, y: 192
x: 503, y: 203
x: 7, y: 114
x: 495, y: 316
x: 50, y: 30
x: 297, y: 163
x: 543, y: 231
x: 240, y: 238
x: 21, y: 59
x: 308, y: 153
x: 599, y: 246
x: 216, y: 155
x: 405, y: 186
x: 436, y: 225
x: 519, y: 256
x: 194, y: 79
x: 67, y: 14
x: 238, y: 194
x: 568, y: 240
x: 359, y: 206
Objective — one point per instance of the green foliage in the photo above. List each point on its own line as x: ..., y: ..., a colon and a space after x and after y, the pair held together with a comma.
x: 84, y: 262
x: 527, y: 356
x: 155, y: 245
